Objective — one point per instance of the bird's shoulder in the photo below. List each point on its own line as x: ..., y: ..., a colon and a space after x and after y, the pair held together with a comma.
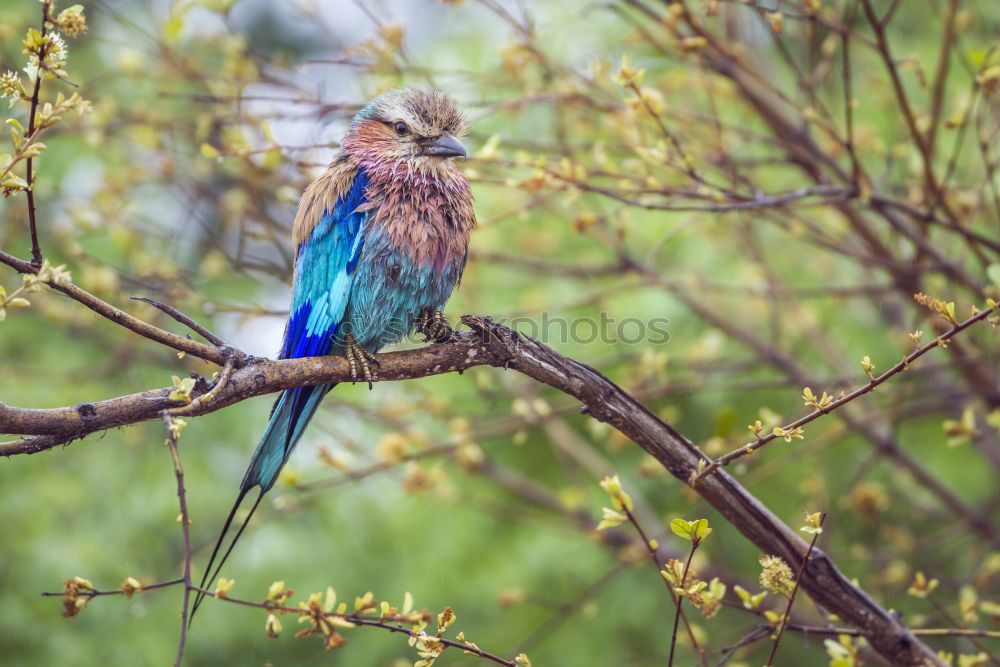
x: 323, y: 196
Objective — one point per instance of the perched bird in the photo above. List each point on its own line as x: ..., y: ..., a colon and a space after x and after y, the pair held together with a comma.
x: 381, y: 241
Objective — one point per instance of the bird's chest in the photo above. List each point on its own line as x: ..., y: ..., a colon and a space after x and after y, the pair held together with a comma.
x: 398, y: 279
x: 411, y: 277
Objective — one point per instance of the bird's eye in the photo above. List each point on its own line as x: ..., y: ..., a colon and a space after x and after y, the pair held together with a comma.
x: 401, y: 128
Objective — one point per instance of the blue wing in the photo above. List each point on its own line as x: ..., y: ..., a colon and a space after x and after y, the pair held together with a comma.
x: 324, y: 272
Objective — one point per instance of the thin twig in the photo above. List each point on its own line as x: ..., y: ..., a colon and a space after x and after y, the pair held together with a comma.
x: 941, y: 75
x: 845, y: 48
x: 901, y: 366
x: 827, y: 631
x: 564, y: 611
x: 142, y: 589
x: 952, y: 621
x: 795, y: 590
x: 920, y: 140
x: 134, y: 324
x: 356, y: 619
x: 687, y: 166
x: 168, y: 421
x: 751, y: 637
x: 36, y: 251
x: 183, y: 319
x: 673, y: 595
x: 680, y: 600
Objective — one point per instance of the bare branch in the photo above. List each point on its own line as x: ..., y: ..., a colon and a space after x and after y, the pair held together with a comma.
x: 172, y: 430
x: 386, y: 623
x: 36, y: 251
x: 134, y: 324
x: 184, y: 319
x: 651, y: 549
x: 791, y: 598
x: 901, y: 366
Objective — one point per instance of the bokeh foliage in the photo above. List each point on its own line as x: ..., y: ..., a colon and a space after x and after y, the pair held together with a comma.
x: 598, y: 190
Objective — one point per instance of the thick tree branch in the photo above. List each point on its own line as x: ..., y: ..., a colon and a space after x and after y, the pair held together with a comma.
x: 495, y: 345
x: 57, y: 426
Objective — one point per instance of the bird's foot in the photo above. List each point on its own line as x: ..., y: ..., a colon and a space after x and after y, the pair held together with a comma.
x: 433, y: 325
x: 358, y: 357
x: 239, y: 358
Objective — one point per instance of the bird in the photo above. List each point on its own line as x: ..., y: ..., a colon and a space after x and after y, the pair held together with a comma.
x: 381, y: 240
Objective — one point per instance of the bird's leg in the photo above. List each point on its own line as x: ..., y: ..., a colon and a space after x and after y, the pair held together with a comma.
x: 433, y: 325
x: 359, y: 356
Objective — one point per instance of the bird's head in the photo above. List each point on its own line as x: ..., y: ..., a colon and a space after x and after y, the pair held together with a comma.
x: 417, y: 126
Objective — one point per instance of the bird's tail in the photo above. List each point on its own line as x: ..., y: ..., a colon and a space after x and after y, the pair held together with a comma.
x: 289, y: 417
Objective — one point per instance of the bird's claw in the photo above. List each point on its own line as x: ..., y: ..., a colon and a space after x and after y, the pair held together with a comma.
x: 357, y: 357
x: 433, y: 325
x: 239, y: 358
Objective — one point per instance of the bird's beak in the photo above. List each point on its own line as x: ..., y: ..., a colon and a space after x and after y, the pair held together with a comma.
x: 444, y: 146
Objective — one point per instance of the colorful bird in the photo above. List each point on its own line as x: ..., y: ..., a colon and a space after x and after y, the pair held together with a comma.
x: 381, y: 241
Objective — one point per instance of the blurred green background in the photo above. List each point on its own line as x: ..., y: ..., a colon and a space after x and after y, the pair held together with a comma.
x: 211, y: 116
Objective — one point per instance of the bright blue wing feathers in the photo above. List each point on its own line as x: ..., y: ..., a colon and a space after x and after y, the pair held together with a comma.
x: 324, y: 273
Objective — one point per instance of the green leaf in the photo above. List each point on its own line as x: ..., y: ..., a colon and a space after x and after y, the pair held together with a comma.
x: 13, y: 181
x: 681, y: 528
x: 694, y: 531
x: 34, y: 150
x: 700, y: 529
x: 611, y: 519
x: 182, y: 389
